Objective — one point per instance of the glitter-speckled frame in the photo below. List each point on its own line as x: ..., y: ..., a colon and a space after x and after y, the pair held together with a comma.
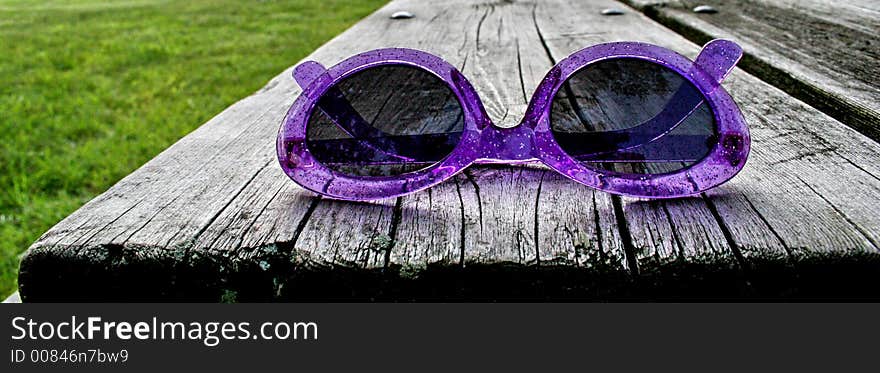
x: 532, y: 140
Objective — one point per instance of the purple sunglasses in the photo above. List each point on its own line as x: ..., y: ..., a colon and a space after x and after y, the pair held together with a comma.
x: 627, y: 118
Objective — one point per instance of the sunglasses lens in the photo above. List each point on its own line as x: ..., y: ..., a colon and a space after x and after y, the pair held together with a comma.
x: 634, y: 116
x: 385, y: 121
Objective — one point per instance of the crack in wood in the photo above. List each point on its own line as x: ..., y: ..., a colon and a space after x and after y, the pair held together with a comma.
x: 769, y: 226
x: 480, y: 26
x: 875, y: 177
x: 842, y: 215
x: 537, y: 218
x: 126, y: 211
x: 725, y: 230
x: 625, y: 236
x: 678, y: 244
x: 597, y: 224
x: 149, y: 220
x: 463, y: 223
x: 256, y: 217
x: 392, y: 234
x: 287, y: 247
x: 473, y: 181
x: 522, y: 84
x: 201, y: 230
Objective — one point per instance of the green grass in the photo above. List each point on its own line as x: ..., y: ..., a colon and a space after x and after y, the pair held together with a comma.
x: 91, y: 90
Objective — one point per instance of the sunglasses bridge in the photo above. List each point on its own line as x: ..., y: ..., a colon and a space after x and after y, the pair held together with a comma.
x: 507, y: 145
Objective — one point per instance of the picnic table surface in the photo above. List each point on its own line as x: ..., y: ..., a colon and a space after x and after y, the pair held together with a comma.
x: 214, y: 218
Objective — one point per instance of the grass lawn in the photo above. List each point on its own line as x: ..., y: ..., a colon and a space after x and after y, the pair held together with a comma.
x: 90, y: 90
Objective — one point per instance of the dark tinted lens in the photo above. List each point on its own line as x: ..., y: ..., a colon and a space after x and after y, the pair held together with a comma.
x: 384, y: 121
x: 617, y: 115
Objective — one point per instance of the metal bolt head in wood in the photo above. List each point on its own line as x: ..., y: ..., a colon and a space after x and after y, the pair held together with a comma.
x: 402, y: 15
x: 612, y: 12
x: 705, y: 9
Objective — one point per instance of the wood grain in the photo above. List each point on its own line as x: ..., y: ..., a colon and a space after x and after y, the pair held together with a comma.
x: 214, y: 218
x: 820, y: 51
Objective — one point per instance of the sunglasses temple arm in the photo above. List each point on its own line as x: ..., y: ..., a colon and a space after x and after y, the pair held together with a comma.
x: 718, y: 58
x: 307, y: 72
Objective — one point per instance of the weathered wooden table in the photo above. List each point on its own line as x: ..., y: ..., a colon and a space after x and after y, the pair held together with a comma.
x: 214, y: 218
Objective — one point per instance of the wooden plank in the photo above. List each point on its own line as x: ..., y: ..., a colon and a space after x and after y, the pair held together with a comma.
x: 821, y: 51
x: 213, y: 217
x: 781, y: 218
x: 661, y: 235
